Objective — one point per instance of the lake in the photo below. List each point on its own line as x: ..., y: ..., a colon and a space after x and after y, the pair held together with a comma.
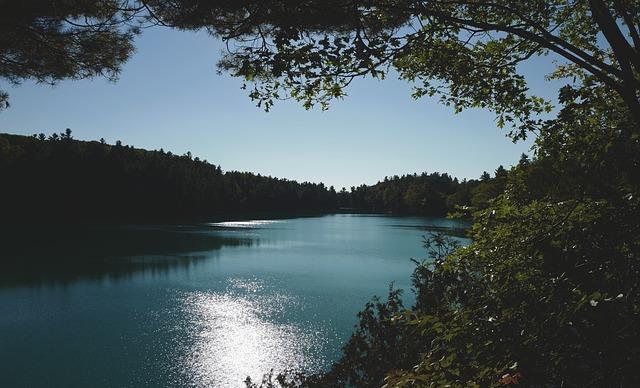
x: 194, y: 305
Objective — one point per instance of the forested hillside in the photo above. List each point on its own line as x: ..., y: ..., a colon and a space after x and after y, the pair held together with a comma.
x: 58, y: 178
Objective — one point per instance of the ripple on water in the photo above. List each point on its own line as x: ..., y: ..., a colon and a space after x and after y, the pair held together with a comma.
x: 234, y: 335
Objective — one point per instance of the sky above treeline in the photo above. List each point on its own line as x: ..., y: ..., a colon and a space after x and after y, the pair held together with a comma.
x: 169, y: 96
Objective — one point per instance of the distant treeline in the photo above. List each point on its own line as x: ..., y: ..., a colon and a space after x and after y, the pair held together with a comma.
x: 432, y: 194
x: 57, y: 176
x: 58, y: 179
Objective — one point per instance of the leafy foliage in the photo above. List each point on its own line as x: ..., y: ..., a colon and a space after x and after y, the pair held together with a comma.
x: 465, y: 52
x: 547, y: 292
x: 48, y: 41
x: 547, y: 288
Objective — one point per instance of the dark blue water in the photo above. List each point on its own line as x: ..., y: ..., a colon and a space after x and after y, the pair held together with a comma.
x: 195, y: 305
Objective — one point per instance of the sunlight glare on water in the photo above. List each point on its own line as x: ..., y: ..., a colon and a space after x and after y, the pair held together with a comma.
x: 236, y: 335
x: 242, y: 224
x: 195, y: 306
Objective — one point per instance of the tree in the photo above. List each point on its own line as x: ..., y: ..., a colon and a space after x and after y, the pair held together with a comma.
x: 48, y: 41
x: 467, y: 52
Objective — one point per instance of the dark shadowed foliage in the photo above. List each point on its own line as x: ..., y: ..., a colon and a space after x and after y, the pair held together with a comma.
x: 58, y: 179
x: 48, y: 41
x: 426, y: 194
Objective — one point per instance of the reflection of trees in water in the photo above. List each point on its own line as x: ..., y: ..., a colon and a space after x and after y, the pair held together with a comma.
x: 40, y: 255
x: 458, y: 230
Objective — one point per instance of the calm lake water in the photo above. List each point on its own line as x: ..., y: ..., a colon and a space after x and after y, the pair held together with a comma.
x: 196, y: 305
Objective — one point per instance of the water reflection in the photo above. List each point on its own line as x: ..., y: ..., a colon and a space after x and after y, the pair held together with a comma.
x: 200, y: 305
x: 40, y: 256
x: 239, y: 333
x: 456, y: 229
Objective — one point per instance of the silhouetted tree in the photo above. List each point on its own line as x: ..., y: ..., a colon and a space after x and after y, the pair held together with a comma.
x: 48, y: 41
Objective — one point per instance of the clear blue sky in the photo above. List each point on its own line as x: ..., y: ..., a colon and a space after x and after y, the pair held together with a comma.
x: 170, y: 96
